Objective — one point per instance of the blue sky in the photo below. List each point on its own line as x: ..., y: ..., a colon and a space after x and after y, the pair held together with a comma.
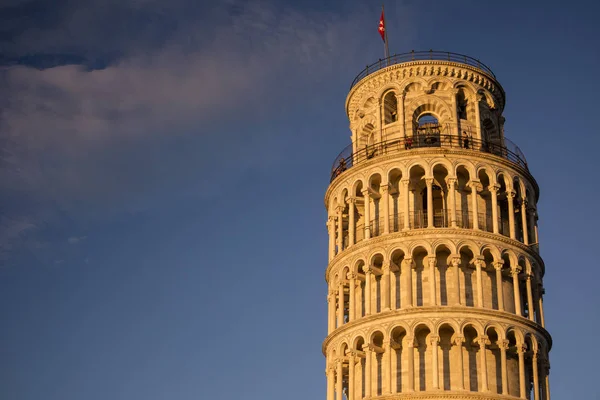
x: 163, y: 166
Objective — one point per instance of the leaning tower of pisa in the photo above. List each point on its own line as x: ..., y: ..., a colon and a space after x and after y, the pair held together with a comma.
x: 435, y: 282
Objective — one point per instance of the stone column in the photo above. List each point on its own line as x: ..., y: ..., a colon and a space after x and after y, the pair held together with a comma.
x: 386, y: 207
x: 331, y: 312
x: 351, y: 220
x: 510, y: 195
x: 547, y: 379
x: 458, y: 342
x: 529, y: 297
x: 503, y: 345
x: 479, y: 265
x: 351, y: 295
x: 385, y: 287
x: 524, y: 221
x: 474, y: 188
x: 400, y: 111
x: 536, y: 377
x: 340, y: 309
x: 393, y: 371
x: 406, y: 203
x: 521, y: 349
x: 330, y: 382
x: 410, y: 370
x: 483, y: 341
x: 431, y: 261
x: 407, y: 270
x: 435, y: 341
x: 386, y: 361
x: 368, y: 274
x: 393, y: 290
x: 498, y: 267
x: 494, y: 194
x: 368, y: 367
x: 515, y: 274
x: 351, y: 378
x: 454, y: 93
x: 429, y: 182
x: 339, y: 380
x: 451, y: 182
x: 531, y: 214
x: 331, y: 231
x: 340, y: 229
x: 478, y: 98
x: 541, y: 305
x: 367, y: 198
x: 456, y: 264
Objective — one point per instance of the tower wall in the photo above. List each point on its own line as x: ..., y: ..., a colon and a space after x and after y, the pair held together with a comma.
x: 435, y: 278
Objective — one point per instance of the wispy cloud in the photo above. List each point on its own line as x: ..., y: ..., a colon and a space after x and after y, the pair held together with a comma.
x: 68, y: 131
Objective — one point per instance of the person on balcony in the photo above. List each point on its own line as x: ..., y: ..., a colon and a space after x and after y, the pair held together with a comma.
x: 408, y: 143
x: 465, y: 140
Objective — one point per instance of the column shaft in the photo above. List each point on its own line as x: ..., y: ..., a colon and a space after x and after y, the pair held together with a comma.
x: 458, y: 341
x: 330, y: 383
x: 522, y: 390
x: 351, y: 222
x: 410, y: 370
x: 340, y: 230
x: 494, y: 194
x: 511, y: 213
x: 484, y: 376
x: 474, y: 202
x: 368, y: 293
x: 499, y: 289
x: 517, y: 291
x: 529, y: 298
x: 429, y: 182
x: 386, y: 208
x: 451, y: 182
x: 351, y: 367
x: 536, y: 378
x: 351, y: 294
x: 432, y: 279
x: 479, y: 266
x: 331, y: 312
x: 524, y: 222
x: 407, y: 271
x: 434, y: 359
x: 503, y: 348
x: 406, y: 203
x: 456, y: 265
x: 367, y: 198
x: 339, y: 380
x: 368, y: 372
x: 385, y: 288
x: 340, y: 305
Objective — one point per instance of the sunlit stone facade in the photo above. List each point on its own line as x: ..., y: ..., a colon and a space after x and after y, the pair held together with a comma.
x: 435, y: 279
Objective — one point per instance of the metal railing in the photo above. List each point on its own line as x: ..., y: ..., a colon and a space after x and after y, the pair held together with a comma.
x: 423, y: 56
x: 501, y: 148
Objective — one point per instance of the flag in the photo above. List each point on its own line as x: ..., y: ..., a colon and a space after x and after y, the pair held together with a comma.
x: 382, y: 26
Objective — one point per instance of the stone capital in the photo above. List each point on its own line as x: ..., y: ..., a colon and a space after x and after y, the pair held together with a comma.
x: 515, y: 271
x: 429, y: 181
x: 431, y: 261
x: 458, y: 340
x: 455, y: 260
x: 494, y: 188
x: 498, y: 265
x: 511, y: 194
x: 351, y: 200
x: 434, y: 340
x: 503, y: 344
x: 451, y: 181
x: 367, y: 269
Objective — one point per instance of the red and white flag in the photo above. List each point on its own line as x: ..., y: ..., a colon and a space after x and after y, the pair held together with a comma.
x: 382, y: 26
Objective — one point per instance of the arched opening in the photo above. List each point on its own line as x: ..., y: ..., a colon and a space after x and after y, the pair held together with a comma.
x: 490, y: 286
x: 468, y: 275
x: 439, y: 196
x: 377, y: 363
x: 421, y: 291
x: 503, y: 223
x: 471, y: 358
x: 447, y: 357
x: 512, y: 364
x: 359, y: 213
x: 464, y: 217
x: 399, y: 364
x: 494, y: 361
x: 423, y: 359
x: 508, y: 286
x: 418, y: 217
x: 360, y: 369
x: 390, y: 108
x: 519, y: 201
x: 461, y: 105
x: 376, y: 294
x: 485, y: 203
x: 442, y: 254
x: 398, y: 274
x: 427, y: 129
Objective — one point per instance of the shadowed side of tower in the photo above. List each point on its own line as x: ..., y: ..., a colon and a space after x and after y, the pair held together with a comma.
x: 435, y: 279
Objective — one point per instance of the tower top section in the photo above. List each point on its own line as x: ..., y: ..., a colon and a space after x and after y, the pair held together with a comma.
x: 427, y: 99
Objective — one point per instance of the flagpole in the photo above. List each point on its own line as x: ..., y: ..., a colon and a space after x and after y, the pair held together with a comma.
x: 386, y: 47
